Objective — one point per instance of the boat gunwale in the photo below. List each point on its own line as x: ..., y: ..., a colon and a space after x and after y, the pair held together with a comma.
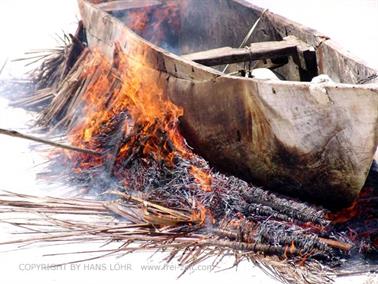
x: 216, y: 74
x: 319, y: 36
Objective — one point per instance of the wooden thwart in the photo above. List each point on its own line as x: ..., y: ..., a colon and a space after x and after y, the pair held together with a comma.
x: 256, y: 51
x: 127, y: 4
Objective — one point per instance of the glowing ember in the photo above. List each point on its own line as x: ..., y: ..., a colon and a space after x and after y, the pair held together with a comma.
x: 201, y: 177
x: 292, y: 247
x: 345, y: 214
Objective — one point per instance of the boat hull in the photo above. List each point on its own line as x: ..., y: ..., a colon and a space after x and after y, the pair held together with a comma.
x: 312, y: 141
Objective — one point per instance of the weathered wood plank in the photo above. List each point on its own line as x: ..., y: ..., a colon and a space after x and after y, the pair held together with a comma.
x: 311, y: 140
x: 306, y: 59
x: 127, y: 4
x: 256, y: 51
x: 342, y: 66
x: 213, y: 23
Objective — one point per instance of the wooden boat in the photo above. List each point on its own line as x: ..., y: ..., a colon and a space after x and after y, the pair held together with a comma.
x: 311, y: 140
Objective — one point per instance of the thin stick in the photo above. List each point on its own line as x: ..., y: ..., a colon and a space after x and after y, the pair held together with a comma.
x: 336, y: 244
x: 3, y: 66
x: 16, y: 134
x: 249, y: 34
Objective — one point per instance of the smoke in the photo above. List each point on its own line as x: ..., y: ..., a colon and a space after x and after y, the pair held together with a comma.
x: 158, y: 22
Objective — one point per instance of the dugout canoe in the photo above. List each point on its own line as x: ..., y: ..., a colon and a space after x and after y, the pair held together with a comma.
x: 311, y: 140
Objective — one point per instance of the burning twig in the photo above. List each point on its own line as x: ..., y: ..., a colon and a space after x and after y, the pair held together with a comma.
x: 336, y: 244
x: 16, y: 134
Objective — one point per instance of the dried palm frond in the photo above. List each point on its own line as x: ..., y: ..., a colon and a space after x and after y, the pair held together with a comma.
x: 55, y: 64
x: 91, y: 220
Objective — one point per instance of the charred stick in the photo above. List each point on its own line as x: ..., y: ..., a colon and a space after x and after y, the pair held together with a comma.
x: 336, y: 244
x: 275, y: 232
x: 121, y: 129
x: 252, y: 247
x: 16, y: 134
x: 293, y: 209
x: 74, y: 52
x: 265, y: 211
x: 232, y: 235
x: 131, y: 155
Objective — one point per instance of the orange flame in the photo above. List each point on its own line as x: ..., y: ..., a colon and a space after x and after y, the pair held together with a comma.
x: 292, y: 248
x: 202, y: 215
x: 133, y: 92
x: 153, y: 23
x: 345, y: 214
x: 129, y: 96
x: 202, y: 178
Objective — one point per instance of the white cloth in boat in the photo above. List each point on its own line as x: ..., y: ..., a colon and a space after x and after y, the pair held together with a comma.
x: 317, y: 89
x: 264, y: 73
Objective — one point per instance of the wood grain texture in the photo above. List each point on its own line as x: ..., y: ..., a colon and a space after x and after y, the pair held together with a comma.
x: 307, y: 140
x: 256, y: 51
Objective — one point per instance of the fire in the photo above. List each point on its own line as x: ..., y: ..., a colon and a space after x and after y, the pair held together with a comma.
x: 122, y: 111
x: 345, y: 214
x: 292, y: 248
x: 154, y: 23
x: 201, y: 177
x: 355, y: 210
x: 201, y: 215
x: 126, y: 114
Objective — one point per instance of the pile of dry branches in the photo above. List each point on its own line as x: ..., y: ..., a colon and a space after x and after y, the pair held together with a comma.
x: 152, y: 192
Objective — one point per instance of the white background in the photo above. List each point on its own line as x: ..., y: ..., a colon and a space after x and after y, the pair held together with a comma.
x: 29, y: 24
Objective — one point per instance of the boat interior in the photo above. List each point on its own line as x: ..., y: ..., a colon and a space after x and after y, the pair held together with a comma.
x: 236, y: 38
x: 226, y: 35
